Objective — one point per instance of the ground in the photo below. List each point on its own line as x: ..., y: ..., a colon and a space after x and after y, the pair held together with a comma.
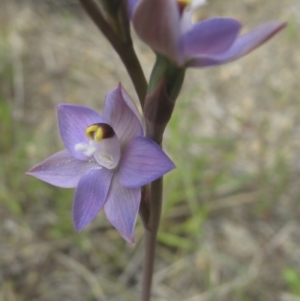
x: 231, y: 214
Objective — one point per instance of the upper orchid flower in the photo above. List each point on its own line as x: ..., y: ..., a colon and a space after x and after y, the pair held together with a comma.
x: 166, y: 26
x: 107, y: 158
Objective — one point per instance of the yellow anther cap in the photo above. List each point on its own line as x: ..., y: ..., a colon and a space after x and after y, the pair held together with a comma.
x: 99, y: 131
x: 184, y: 2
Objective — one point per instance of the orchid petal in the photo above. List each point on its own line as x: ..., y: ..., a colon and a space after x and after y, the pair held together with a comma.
x: 73, y: 121
x: 90, y: 196
x: 241, y: 46
x: 142, y: 162
x: 131, y: 6
x: 121, y: 208
x: 122, y: 115
x: 157, y: 23
x: 61, y: 169
x: 212, y: 36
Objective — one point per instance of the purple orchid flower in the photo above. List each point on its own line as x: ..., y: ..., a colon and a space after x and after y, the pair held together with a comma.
x: 166, y: 26
x: 107, y: 158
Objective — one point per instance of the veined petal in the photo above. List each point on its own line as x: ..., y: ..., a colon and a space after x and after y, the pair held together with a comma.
x: 61, y: 169
x: 122, y: 207
x: 157, y: 23
x: 73, y: 121
x: 243, y: 45
x: 143, y: 161
x: 122, y: 114
x: 212, y: 36
x: 90, y: 196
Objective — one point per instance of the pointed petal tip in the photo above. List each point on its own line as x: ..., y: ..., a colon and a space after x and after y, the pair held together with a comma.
x: 31, y: 172
x: 61, y: 169
x: 276, y: 26
x: 122, y: 90
x: 130, y: 238
x: 131, y: 241
x: 62, y: 105
x: 78, y: 227
x: 173, y: 165
x: 282, y: 24
x: 79, y: 224
x: 28, y: 172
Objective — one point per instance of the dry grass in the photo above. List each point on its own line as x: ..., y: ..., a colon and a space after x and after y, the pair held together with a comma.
x: 231, y: 218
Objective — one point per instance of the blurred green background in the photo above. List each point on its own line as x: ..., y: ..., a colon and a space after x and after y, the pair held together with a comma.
x: 230, y: 226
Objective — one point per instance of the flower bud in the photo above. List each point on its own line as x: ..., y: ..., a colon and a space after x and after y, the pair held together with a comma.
x: 172, y: 75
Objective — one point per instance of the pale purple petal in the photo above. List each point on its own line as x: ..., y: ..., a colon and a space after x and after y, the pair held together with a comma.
x: 122, y: 207
x: 131, y: 6
x: 143, y: 161
x: 241, y: 46
x: 61, y: 169
x: 157, y: 23
x: 130, y: 103
x: 122, y: 115
x: 73, y: 121
x: 90, y: 196
x: 210, y: 37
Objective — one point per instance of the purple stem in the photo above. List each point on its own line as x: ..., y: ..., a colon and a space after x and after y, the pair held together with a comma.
x: 150, y: 237
x: 124, y: 49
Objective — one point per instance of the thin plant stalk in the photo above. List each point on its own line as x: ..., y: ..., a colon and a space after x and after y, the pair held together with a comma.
x: 124, y: 48
x: 150, y: 237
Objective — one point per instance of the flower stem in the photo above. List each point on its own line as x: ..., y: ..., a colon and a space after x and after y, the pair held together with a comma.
x: 150, y: 237
x: 124, y: 48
